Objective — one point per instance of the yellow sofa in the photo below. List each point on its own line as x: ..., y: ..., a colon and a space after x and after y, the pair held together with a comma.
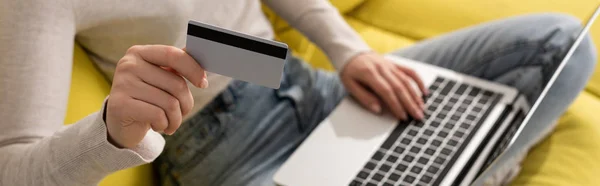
x: 568, y: 157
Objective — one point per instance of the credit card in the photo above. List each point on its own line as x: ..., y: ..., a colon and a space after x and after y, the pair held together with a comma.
x: 236, y: 55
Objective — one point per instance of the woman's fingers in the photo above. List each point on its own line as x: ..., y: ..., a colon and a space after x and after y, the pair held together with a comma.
x: 175, y: 58
x: 161, y: 99
x: 149, y: 115
x: 168, y: 81
x: 415, y: 77
x: 149, y: 91
x: 385, y: 91
x: 403, y: 93
x: 127, y: 126
x: 406, y: 81
x: 366, y: 98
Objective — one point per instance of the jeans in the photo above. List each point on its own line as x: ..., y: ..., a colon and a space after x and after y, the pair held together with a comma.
x: 245, y: 134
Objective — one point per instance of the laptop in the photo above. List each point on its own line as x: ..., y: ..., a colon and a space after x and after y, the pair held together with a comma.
x: 470, y: 126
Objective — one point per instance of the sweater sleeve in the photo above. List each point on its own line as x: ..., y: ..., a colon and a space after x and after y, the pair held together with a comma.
x: 322, y: 24
x: 36, y: 48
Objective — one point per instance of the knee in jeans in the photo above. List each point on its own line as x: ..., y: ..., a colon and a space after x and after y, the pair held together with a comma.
x: 567, y: 28
x: 552, y: 28
x: 557, y: 21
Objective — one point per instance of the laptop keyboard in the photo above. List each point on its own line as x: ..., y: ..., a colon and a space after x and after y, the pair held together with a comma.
x: 420, y: 153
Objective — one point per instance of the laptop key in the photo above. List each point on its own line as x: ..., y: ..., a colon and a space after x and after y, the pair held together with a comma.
x: 477, y: 109
x: 399, y: 150
x: 355, y: 183
x: 429, y: 152
x: 371, y: 184
x: 438, y: 80
x: 409, y: 179
x: 471, y: 117
x: 412, y: 132
x: 405, y: 141
x: 370, y: 166
x: 452, y: 142
x: 426, y: 115
x: 467, y: 102
x: 422, y: 141
x: 415, y: 150
x: 436, y: 143
x: 446, y: 151
x: 435, y: 124
x: 394, y: 177
x: 378, y: 155
x: 461, y: 89
x: 474, y: 91
x: 408, y: 158
x: 439, y: 160
x: 423, y: 160
x: 385, y: 167
x: 459, y: 134
x: 482, y: 101
x: 392, y: 159
x: 465, y: 126
x: 432, y: 169
x: 447, y: 88
x: 387, y: 184
x: 363, y: 175
x: 377, y: 177
x: 401, y: 167
x: 416, y: 170
x: 426, y: 179
x: 428, y: 132
x: 443, y: 134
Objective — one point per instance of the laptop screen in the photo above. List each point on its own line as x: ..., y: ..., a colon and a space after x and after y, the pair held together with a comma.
x: 527, y: 126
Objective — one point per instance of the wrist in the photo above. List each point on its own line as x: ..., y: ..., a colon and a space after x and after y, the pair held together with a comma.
x: 353, y: 58
x: 108, y: 137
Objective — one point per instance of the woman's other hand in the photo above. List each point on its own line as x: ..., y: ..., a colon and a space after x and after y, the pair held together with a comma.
x: 377, y: 82
x: 149, y: 92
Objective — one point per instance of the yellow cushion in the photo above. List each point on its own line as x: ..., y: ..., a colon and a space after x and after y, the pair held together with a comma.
x: 421, y: 19
x: 88, y: 91
x: 570, y: 155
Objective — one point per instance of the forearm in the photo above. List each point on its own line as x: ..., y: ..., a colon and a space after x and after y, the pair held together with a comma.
x: 324, y: 26
x: 79, y: 154
x: 36, y: 52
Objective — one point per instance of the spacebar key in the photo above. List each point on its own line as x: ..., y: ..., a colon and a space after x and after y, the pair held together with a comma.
x: 395, y: 135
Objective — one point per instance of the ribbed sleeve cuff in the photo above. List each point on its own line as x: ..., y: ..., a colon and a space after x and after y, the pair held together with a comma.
x: 114, y: 158
x: 89, y: 156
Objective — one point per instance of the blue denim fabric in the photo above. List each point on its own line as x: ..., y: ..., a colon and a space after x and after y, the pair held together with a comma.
x: 248, y: 131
